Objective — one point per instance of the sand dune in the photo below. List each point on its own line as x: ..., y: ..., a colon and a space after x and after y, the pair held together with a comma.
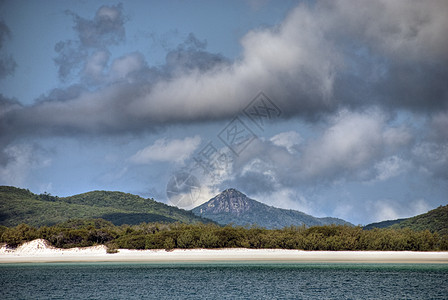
x: 40, y: 251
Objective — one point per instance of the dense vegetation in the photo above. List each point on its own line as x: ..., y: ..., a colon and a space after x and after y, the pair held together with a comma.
x: 435, y: 220
x: 21, y: 206
x: 383, y: 224
x: 77, y: 233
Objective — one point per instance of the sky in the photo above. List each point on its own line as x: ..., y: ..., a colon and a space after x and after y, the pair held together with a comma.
x: 334, y: 108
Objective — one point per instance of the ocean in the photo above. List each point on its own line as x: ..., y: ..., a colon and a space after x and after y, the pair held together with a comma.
x: 223, y: 281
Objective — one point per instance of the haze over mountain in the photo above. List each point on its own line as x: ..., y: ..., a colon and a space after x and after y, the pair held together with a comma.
x: 233, y: 207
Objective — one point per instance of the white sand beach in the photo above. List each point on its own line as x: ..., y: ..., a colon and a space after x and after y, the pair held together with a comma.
x: 40, y: 251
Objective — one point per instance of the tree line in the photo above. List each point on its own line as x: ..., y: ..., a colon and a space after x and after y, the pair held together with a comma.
x: 83, y: 233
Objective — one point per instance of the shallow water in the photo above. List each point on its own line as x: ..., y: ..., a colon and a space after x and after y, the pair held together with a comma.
x: 223, y: 281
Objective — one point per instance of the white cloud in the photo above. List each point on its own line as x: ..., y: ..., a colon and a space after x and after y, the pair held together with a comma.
x: 388, y: 209
x: 175, y: 150
x: 397, y: 136
x: 95, y: 66
x: 385, y: 210
x: 419, y: 206
x: 290, y: 140
x: 353, y: 146
x: 22, y: 160
x: 125, y: 65
x: 287, y: 198
x: 351, y: 142
x: 390, y: 167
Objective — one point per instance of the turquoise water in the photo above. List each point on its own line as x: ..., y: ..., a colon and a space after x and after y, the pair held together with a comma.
x: 223, y: 281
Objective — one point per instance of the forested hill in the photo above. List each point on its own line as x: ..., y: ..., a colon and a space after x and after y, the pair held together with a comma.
x: 435, y: 220
x: 22, y: 206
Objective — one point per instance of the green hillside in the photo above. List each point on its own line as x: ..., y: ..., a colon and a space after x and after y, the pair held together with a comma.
x: 383, y: 224
x: 21, y: 206
x: 435, y: 220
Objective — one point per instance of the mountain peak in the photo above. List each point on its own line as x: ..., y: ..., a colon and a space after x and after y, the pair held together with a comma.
x: 232, y: 192
x: 232, y: 206
x: 229, y: 201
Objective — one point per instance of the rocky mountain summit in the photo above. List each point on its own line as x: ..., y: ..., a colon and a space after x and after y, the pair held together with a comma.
x: 233, y: 207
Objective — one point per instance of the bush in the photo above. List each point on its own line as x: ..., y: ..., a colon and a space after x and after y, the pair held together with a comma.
x: 77, y: 233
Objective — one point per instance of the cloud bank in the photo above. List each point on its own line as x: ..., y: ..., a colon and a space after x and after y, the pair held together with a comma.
x: 321, y: 58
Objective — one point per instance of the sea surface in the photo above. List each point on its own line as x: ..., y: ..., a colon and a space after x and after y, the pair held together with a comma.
x: 223, y: 281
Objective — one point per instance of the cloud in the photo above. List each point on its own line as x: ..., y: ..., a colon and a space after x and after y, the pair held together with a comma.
x: 430, y: 153
x: 7, y: 104
x: 336, y: 64
x: 406, y: 30
x: 95, y: 66
x: 432, y: 158
x: 438, y: 127
x: 387, y: 209
x: 290, y: 140
x: 94, y: 36
x: 126, y: 65
x: 390, y: 167
x: 7, y: 62
x: 128, y: 68
x: 348, y: 147
x: 175, y: 150
x: 191, y: 55
x: 106, y: 28
x: 305, y: 64
x: 398, y: 55
x: 22, y: 159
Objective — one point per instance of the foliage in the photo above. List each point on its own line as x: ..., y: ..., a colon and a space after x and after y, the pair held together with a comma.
x: 80, y: 233
x: 21, y: 206
x: 435, y: 220
x: 383, y: 224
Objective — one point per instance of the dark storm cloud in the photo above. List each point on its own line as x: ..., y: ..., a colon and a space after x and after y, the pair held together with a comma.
x: 417, y: 88
x: 320, y: 60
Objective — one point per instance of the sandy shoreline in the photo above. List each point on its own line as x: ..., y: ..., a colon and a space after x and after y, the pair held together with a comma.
x: 40, y: 251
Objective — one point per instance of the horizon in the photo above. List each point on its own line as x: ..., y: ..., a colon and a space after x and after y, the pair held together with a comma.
x: 330, y: 108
